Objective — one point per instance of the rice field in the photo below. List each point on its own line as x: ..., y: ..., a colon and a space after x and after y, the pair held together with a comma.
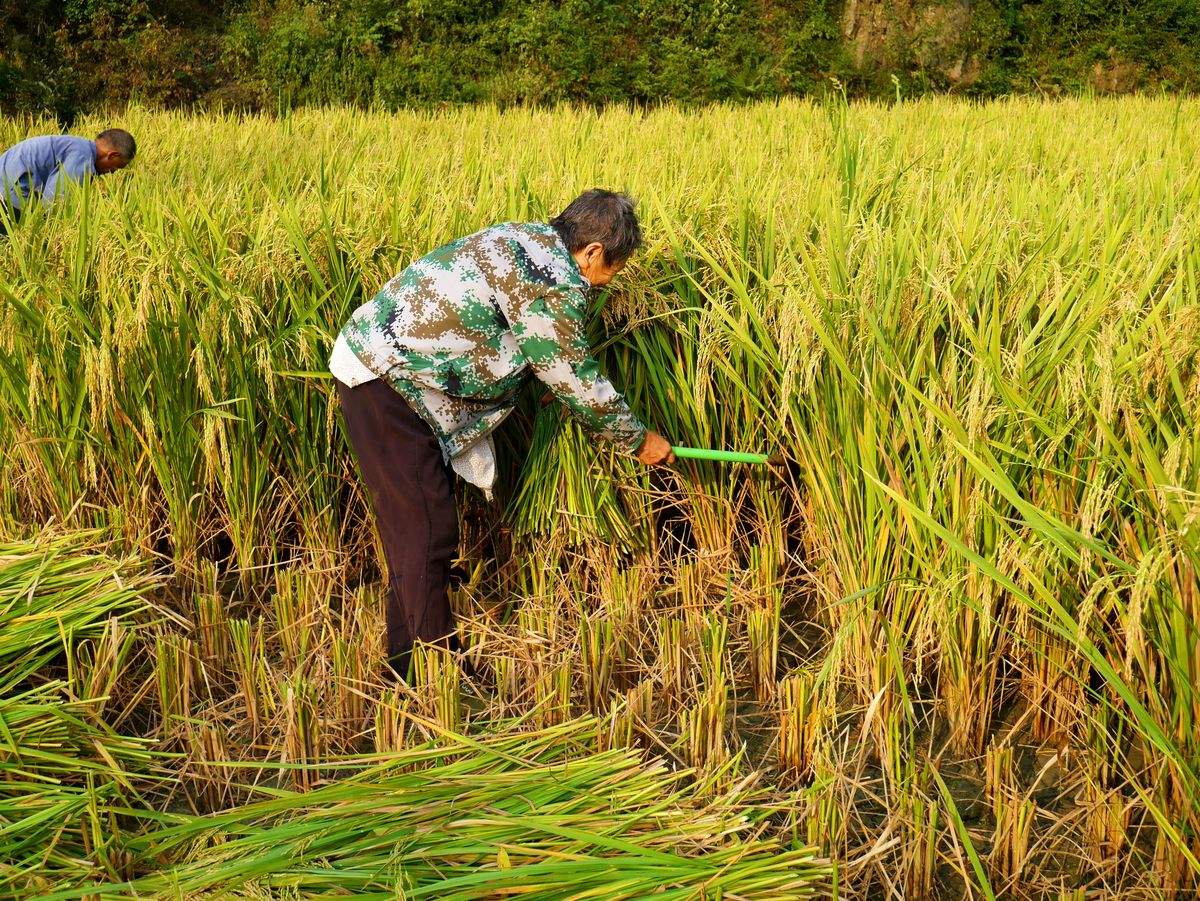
x: 949, y: 649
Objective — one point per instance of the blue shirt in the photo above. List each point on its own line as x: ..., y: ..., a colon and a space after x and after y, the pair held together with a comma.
x: 39, y: 165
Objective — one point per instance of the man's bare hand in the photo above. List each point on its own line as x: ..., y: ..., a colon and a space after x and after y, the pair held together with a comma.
x: 655, y: 450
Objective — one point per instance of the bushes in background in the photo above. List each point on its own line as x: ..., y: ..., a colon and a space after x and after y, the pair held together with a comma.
x: 267, y: 54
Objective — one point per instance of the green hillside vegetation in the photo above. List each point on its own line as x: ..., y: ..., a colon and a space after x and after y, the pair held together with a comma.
x: 258, y: 54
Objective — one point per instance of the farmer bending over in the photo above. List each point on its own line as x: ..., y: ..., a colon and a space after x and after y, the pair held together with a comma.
x: 36, y: 167
x: 429, y: 368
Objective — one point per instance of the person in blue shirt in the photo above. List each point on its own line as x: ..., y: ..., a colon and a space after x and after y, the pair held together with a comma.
x: 38, y: 167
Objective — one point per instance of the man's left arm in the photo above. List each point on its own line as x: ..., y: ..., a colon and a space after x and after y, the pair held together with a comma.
x: 549, y: 330
x: 15, y: 191
x: 74, y: 168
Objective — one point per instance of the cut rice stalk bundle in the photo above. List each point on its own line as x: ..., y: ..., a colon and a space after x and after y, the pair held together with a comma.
x: 63, y: 772
x: 462, y: 818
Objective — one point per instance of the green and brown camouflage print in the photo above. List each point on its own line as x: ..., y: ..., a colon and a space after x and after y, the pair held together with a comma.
x: 458, y: 331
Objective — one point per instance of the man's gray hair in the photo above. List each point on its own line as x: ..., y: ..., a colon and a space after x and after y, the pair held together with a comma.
x: 604, y: 216
x: 120, y: 140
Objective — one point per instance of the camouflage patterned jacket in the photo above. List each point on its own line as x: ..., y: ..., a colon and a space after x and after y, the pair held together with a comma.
x: 458, y: 330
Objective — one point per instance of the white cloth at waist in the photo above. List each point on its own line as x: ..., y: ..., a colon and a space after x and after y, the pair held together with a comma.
x: 346, y: 367
x: 476, y: 464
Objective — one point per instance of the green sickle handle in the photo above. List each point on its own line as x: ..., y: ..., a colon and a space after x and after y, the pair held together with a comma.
x: 701, y: 453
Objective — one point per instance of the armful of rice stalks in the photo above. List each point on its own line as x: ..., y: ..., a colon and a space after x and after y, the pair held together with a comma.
x: 654, y: 450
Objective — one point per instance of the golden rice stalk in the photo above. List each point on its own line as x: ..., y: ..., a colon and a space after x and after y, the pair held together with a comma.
x: 799, y: 722
x: 208, y: 747
x: 628, y: 716
x: 392, y: 720
x: 300, y: 602
x: 920, y: 818
x: 249, y: 669
x: 1011, y: 836
x: 998, y: 772
x: 762, y: 630
x: 552, y: 693
x: 1173, y: 876
x: 714, y: 638
x: 174, y: 668
x: 350, y: 683
x: 671, y: 666
x: 624, y: 597
x: 438, y: 683
x: 1106, y: 818
x: 99, y: 664
x: 598, y: 652
x: 212, y: 627
x: 303, y: 738
x: 1053, y: 692
x: 702, y: 728
x: 509, y: 683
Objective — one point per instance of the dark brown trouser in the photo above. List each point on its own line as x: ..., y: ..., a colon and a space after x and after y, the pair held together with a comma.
x: 409, y: 484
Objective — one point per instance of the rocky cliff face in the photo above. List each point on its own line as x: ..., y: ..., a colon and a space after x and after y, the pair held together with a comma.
x: 902, y: 34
